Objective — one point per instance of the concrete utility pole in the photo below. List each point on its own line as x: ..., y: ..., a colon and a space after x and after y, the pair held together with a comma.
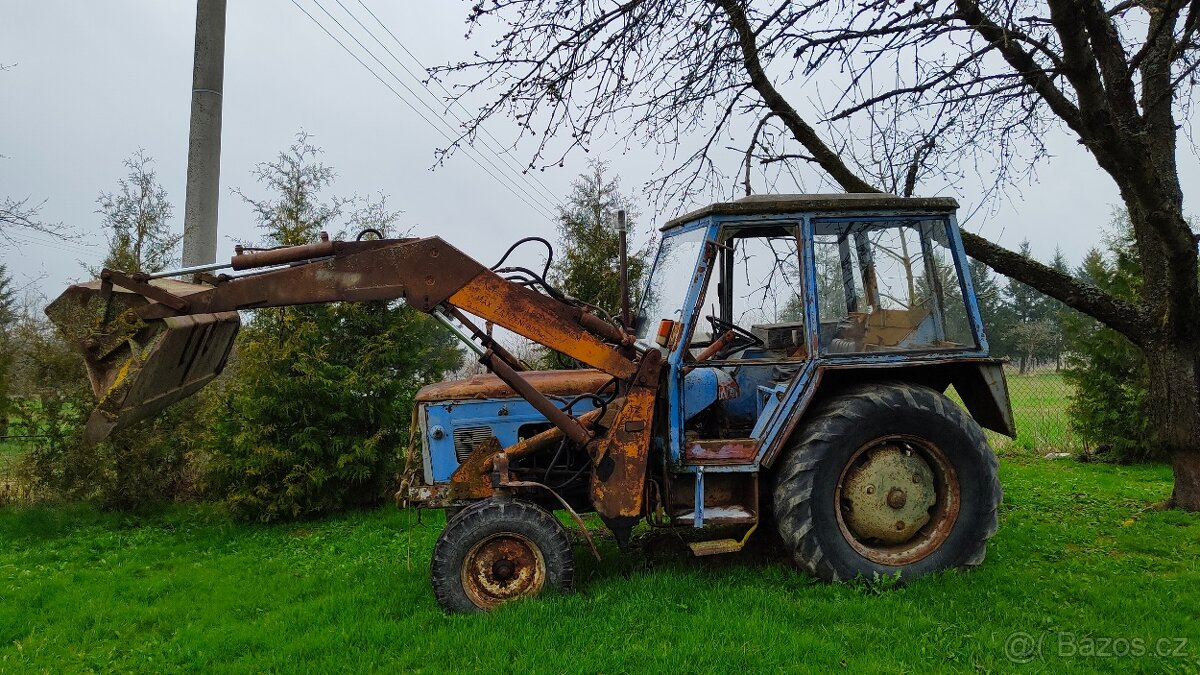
x: 204, y: 140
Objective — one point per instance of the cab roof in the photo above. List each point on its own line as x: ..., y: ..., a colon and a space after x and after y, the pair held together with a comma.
x: 850, y: 202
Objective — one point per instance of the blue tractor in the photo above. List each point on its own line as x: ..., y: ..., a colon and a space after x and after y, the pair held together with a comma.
x: 787, y: 366
x: 807, y: 344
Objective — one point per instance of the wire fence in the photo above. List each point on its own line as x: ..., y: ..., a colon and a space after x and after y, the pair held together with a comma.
x: 1040, y: 401
x: 11, y: 449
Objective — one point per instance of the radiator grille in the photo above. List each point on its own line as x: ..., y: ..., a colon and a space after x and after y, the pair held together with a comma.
x: 466, y: 439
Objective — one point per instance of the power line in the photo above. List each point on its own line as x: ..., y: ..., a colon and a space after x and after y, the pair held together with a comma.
x: 71, y: 251
x: 61, y: 245
x: 417, y: 96
x: 499, y: 150
x: 516, y: 192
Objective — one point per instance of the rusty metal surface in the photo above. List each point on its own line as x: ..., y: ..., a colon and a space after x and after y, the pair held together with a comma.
x: 548, y: 382
x: 137, y: 368
x: 550, y: 437
x: 575, y: 431
x: 504, y: 480
x: 420, y: 495
x: 721, y: 451
x: 485, y: 338
x: 153, y: 373
x: 280, y: 256
x: 715, y: 348
x: 540, y: 318
x: 502, y: 567
x: 620, y: 457
x: 897, y: 500
x: 984, y: 391
x: 424, y: 272
x: 757, y: 205
x: 888, y: 496
x: 143, y: 287
x: 472, y: 478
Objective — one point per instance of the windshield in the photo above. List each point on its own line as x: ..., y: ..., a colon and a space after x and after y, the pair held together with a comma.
x: 668, y: 284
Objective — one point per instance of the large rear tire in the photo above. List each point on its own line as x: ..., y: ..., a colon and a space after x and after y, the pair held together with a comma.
x: 887, y: 478
x: 499, y: 550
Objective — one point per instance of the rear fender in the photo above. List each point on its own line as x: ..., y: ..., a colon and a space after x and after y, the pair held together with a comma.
x: 980, y: 383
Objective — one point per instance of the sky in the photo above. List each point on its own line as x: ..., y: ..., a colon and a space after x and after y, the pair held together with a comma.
x: 92, y: 82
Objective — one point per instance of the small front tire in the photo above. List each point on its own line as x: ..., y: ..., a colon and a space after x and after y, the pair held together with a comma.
x: 499, y: 550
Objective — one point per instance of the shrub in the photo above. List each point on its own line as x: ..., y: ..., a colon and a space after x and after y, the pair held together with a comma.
x: 143, y: 464
x: 316, y: 410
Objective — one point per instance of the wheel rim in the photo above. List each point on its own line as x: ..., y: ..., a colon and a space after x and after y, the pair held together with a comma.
x: 897, y: 499
x: 503, y: 567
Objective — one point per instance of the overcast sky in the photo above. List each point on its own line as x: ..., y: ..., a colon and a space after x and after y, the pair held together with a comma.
x: 92, y: 82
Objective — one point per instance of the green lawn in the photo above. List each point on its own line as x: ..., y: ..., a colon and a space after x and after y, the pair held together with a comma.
x: 1079, y: 560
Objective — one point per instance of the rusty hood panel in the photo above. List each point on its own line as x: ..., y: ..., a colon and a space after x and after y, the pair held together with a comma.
x: 548, y: 382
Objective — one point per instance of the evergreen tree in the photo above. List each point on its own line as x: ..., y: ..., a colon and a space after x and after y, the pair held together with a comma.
x: 137, y: 218
x: 587, y: 266
x: 995, y: 314
x: 315, y: 414
x: 1057, y: 314
x: 8, y: 316
x: 1106, y: 370
x: 1029, y: 334
x: 1027, y: 304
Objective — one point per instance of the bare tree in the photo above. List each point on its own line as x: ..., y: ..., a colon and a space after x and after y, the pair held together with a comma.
x: 951, y: 82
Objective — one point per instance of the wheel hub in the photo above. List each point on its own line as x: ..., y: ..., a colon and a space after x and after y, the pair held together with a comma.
x: 503, y: 567
x: 887, y: 497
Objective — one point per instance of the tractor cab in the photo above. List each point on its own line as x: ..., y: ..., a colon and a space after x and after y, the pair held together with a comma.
x: 757, y: 303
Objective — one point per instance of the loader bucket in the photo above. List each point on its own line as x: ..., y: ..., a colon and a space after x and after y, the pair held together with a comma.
x: 136, y: 367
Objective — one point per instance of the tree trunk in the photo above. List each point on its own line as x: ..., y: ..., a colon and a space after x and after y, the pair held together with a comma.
x: 1174, y: 407
x: 1187, y: 480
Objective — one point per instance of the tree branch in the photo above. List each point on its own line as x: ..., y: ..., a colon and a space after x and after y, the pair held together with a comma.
x: 1126, y: 318
x: 829, y: 160
x: 1022, y: 62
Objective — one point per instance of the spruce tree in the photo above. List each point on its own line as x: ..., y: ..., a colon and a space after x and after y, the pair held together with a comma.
x: 315, y: 414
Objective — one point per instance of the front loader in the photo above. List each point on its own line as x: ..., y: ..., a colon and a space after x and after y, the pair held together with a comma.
x: 787, y: 363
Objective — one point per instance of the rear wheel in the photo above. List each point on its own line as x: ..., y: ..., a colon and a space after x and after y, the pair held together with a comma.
x: 886, y: 478
x: 499, y: 550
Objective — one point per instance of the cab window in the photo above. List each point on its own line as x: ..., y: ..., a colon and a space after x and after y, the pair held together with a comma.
x: 888, y: 285
x: 754, y: 292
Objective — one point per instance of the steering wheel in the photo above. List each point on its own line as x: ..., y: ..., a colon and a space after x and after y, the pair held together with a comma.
x: 745, y: 339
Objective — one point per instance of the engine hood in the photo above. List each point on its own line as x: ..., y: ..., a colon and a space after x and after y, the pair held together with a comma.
x: 548, y: 382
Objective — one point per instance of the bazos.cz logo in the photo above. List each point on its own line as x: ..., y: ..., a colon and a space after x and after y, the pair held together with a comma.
x: 1022, y: 647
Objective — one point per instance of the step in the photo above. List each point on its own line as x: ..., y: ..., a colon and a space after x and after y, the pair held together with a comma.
x: 719, y: 546
x: 721, y: 515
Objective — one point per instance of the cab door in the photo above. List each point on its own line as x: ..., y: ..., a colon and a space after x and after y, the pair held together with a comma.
x: 751, y: 340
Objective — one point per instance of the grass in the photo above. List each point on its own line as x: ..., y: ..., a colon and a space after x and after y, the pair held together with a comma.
x: 1079, y: 553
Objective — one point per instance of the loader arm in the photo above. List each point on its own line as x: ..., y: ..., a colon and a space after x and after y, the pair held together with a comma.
x: 148, y: 343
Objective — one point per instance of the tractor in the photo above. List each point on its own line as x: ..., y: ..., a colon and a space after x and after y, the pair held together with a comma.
x: 787, y: 363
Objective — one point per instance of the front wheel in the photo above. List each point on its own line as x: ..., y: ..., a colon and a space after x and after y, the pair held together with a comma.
x: 887, y: 478
x: 498, y: 550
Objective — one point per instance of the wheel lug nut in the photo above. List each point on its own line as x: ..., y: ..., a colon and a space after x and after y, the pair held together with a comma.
x: 870, y: 489
x: 899, y: 525
x: 917, y: 478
